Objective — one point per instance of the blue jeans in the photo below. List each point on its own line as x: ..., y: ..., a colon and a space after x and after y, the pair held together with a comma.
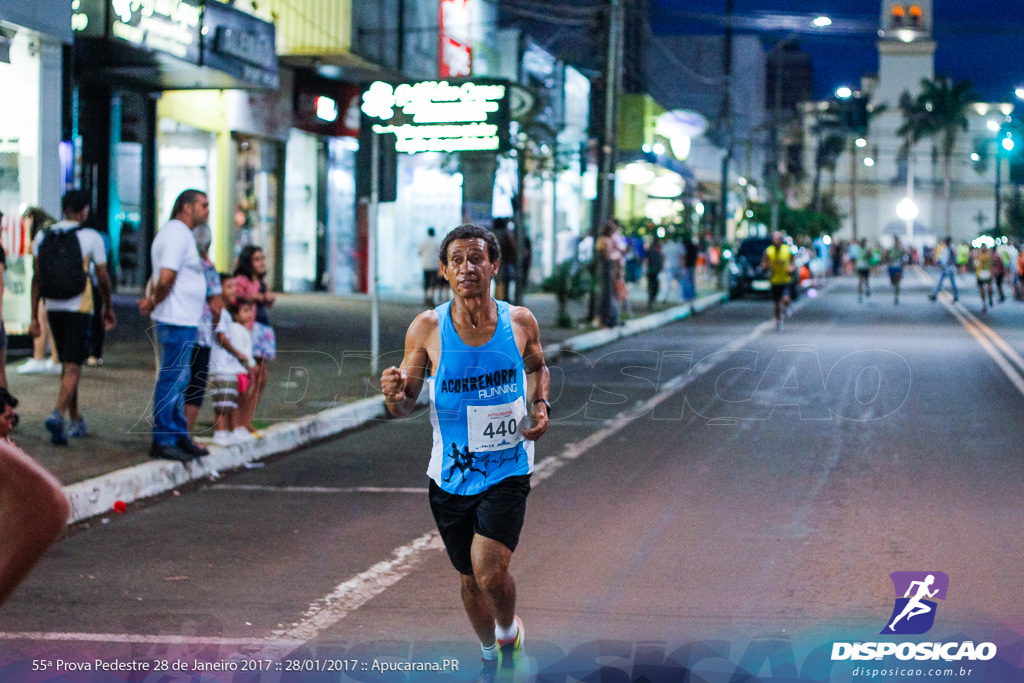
x: 950, y: 272
x: 689, y: 284
x: 176, y: 344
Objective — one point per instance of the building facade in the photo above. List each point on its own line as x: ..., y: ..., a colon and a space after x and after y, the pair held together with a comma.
x: 874, y: 174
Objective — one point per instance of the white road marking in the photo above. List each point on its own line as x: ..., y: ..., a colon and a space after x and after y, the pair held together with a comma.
x: 131, y: 638
x: 315, y: 489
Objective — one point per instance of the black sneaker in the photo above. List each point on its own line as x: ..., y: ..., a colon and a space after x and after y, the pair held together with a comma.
x: 167, y: 452
x: 192, y: 448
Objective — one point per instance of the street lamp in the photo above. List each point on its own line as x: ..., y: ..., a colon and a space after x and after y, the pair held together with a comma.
x: 907, y: 210
x: 822, y: 22
x: 844, y: 93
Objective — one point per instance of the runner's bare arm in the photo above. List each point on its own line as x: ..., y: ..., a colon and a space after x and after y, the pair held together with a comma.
x: 33, y: 512
x: 401, y: 386
x: 538, y: 377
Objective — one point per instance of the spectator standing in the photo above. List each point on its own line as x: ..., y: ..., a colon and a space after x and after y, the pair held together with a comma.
x: 200, y: 365
x: 611, y: 261
x: 689, y: 280
x: 3, y: 330
x: 175, y: 303
x: 251, y: 285
x: 38, y: 220
x: 63, y: 254
x: 230, y: 363
x: 507, y: 265
x: 428, y: 258
x: 97, y: 333
x: 655, y: 264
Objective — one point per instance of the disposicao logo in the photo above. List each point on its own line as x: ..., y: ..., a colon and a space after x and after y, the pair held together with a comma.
x: 914, y: 612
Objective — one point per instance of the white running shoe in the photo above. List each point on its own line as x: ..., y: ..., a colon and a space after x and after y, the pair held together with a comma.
x: 53, y: 368
x: 241, y: 435
x: 32, y: 366
x: 223, y: 438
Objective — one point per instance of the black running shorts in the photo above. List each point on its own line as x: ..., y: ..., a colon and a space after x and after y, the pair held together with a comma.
x: 497, y: 513
x: 70, y: 335
x: 779, y: 291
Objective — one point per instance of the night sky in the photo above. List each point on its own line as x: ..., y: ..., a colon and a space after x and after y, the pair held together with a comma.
x: 981, y: 41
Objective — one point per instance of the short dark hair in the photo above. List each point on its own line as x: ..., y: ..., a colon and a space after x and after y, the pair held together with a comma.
x: 184, y: 199
x: 75, y: 201
x: 6, y: 399
x: 470, y: 231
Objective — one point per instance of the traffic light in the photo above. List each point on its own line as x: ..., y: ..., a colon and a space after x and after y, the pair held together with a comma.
x: 1011, y: 147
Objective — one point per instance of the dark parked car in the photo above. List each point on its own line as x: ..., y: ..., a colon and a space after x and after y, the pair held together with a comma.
x: 745, y: 272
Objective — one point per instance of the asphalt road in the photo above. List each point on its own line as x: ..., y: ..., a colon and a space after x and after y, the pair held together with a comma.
x: 713, y: 495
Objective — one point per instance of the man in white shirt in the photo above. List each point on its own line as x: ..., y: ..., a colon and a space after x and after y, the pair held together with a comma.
x: 67, y: 290
x: 175, y: 303
x: 429, y: 261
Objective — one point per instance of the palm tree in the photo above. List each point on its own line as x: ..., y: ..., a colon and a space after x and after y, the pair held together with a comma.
x: 939, y: 110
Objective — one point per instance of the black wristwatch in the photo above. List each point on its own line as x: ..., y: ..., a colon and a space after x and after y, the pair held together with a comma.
x: 544, y: 401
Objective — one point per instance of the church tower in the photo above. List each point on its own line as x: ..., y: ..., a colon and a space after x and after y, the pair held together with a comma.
x: 906, y: 50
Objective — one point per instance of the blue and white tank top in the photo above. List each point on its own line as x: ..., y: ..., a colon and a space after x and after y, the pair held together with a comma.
x: 478, y: 409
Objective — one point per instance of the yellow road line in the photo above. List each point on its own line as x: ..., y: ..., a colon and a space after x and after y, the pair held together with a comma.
x: 987, y: 338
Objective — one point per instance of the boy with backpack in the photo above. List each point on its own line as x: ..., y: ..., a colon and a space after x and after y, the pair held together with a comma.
x: 63, y: 253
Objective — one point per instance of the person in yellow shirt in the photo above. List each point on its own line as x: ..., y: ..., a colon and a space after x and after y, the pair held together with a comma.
x: 778, y: 261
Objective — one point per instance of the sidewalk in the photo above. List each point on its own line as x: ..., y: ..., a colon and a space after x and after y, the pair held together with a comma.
x: 319, y: 385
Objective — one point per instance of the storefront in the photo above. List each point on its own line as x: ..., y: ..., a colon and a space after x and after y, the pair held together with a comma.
x: 33, y: 163
x: 652, y: 180
x: 321, y: 251
x: 164, y: 105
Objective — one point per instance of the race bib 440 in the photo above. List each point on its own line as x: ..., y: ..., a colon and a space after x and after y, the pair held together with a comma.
x: 493, y: 428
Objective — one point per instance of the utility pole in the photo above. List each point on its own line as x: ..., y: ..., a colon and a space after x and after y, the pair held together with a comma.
x: 726, y: 117
x: 608, y: 150
x: 853, y: 188
x: 775, y: 186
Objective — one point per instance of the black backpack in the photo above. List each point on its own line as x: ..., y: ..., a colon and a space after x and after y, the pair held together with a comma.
x: 60, y: 265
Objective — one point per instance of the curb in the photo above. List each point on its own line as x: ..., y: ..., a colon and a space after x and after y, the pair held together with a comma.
x: 98, y: 495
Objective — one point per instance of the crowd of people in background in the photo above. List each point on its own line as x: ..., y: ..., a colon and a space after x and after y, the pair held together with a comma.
x: 213, y: 329
x: 996, y: 266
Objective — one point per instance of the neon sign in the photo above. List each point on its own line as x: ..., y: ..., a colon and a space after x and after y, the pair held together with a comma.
x: 438, y: 116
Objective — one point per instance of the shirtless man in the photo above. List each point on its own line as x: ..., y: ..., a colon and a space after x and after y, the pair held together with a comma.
x: 488, y: 376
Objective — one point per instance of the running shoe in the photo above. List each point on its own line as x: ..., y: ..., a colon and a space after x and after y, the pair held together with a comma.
x: 241, y: 435
x: 488, y: 671
x: 78, y: 428
x: 55, y: 423
x: 32, y: 366
x: 223, y: 438
x: 53, y: 368
x: 510, y: 652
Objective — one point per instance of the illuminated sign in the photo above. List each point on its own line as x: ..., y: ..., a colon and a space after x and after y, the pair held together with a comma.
x: 438, y: 116
x: 326, y: 109
x: 170, y: 26
x: 455, y: 39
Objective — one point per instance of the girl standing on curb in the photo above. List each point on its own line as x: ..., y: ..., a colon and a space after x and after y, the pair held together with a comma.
x: 250, y: 285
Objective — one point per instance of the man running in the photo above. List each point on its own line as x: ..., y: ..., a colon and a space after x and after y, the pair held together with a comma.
x: 895, y: 257
x: 488, y: 372
x: 778, y: 261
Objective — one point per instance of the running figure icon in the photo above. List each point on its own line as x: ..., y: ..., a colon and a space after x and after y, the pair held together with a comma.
x: 915, y: 607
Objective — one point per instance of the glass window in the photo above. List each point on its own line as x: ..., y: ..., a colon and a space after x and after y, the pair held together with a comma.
x: 19, y: 171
